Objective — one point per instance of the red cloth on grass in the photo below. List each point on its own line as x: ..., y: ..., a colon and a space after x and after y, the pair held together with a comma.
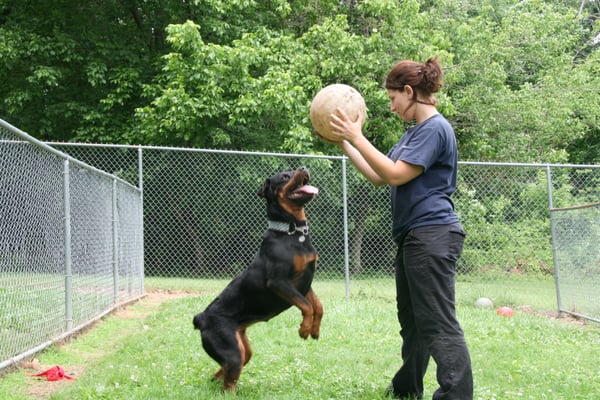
x: 55, y: 373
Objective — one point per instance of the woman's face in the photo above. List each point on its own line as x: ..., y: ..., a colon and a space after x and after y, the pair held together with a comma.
x: 401, y: 103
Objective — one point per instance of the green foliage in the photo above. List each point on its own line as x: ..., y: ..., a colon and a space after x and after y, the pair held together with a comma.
x: 60, y: 62
x: 258, y: 89
x: 521, y: 77
x: 514, y: 79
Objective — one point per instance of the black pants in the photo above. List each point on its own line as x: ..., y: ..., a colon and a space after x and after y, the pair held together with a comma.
x: 425, y: 287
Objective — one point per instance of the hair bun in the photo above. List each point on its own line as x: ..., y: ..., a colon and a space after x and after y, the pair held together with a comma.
x: 432, y: 74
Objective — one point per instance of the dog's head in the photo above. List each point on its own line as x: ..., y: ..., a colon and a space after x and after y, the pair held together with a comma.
x: 287, y: 192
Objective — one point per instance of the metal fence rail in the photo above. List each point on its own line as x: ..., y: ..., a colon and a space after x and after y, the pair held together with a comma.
x: 576, y: 238
x: 71, y: 244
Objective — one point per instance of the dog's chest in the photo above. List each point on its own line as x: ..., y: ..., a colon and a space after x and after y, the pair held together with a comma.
x: 302, y: 261
x: 288, y: 255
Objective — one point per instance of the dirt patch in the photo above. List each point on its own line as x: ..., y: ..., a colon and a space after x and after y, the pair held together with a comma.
x: 40, y: 388
x: 153, y: 299
x: 563, y: 317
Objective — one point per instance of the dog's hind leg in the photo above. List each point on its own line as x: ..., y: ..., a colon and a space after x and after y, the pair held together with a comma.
x: 232, y: 367
x: 244, y: 346
x: 234, y: 361
x: 218, y: 375
x: 226, y: 348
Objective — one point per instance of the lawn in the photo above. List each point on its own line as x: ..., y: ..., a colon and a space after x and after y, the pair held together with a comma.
x: 150, y: 351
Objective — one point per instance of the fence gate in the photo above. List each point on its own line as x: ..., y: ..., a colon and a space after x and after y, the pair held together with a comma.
x: 575, y: 241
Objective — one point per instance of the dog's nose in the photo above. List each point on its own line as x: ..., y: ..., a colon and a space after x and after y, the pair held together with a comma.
x: 305, y: 172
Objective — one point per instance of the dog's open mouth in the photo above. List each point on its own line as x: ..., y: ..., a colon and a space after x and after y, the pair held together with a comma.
x: 303, y: 191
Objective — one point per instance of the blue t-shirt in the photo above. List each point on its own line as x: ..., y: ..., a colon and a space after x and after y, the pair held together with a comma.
x: 426, y: 199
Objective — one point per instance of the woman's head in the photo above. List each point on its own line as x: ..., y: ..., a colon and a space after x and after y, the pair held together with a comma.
x: 412, y: 82
x: 425, y: 78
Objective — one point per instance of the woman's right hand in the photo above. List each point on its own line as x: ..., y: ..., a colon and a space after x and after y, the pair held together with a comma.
x: 344, y: 128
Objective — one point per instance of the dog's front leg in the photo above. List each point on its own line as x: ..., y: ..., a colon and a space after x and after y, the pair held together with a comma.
x: 287, y: 291
x: 317, y: 314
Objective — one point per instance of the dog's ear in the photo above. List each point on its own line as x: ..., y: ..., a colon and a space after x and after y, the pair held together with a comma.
x: 262, y: 192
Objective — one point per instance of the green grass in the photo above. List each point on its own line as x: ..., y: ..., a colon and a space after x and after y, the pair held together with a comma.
x: 159, y: 356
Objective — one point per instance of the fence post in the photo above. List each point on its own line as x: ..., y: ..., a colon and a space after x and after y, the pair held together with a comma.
x: 67, y: 249
x: 115, y: 235
x: 345, y: 207
x: 141, y: 216
x: 552, y: 234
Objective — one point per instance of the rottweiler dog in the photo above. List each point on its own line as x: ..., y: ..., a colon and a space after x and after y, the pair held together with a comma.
x: 279, y: 276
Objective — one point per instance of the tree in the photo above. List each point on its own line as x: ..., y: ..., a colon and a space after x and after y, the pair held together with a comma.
x: 73, y: 68
x: 240, y: 74
x: 508, y: 101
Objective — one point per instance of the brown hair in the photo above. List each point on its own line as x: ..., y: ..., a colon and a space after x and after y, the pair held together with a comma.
x: 425, y: 78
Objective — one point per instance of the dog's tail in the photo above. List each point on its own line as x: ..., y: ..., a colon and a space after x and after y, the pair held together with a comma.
x: 198, y: 321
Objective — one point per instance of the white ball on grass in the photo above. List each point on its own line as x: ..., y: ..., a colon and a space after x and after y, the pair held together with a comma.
x: 484, y: 302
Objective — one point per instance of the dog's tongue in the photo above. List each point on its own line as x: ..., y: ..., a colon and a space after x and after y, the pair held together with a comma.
x: 307, y: 189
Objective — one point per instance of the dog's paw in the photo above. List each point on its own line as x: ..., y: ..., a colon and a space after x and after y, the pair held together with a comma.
x: 303, y: 332
x: 315, y: 329
x: 218, y: 376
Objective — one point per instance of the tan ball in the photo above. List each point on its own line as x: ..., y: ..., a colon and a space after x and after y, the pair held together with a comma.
x: 328, y: 99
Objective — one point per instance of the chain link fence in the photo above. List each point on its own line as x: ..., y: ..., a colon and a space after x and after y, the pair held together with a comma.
x: 576, y: 234
x: 71, y: 245
x: 203, y: 218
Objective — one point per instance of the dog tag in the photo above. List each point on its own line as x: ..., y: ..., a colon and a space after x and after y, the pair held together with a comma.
x: 301, y: 239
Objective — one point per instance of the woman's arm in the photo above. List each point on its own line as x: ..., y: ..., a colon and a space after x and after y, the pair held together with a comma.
x: 373, y: 164
x: 361, y: 164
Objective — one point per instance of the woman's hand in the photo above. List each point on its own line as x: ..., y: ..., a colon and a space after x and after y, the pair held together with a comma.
x: 344, y: 128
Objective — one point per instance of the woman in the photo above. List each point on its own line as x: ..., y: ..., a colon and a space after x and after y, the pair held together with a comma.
x: 421, y: 171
